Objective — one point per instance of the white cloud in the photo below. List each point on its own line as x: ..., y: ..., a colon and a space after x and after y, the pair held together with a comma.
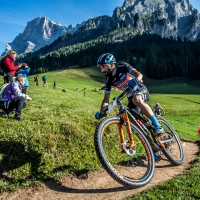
x: 12, y: 22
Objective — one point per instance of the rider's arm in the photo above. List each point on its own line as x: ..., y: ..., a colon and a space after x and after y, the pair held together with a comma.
x: 24, y: 71
x: 137, y: 75
x: 107, y: 87
x: 105, y: 101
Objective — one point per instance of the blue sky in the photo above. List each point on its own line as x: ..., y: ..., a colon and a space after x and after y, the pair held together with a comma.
x: 15, y: 14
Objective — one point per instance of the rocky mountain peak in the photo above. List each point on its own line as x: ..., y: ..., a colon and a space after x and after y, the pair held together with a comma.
x: 39, y: 32
x: 163, y: 17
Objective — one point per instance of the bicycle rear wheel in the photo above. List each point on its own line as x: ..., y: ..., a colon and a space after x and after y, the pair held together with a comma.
x: 133, y: 170
x: 173, y: 150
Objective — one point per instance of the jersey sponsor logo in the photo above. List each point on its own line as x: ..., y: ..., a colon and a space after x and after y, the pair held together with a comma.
x: 123, y: 82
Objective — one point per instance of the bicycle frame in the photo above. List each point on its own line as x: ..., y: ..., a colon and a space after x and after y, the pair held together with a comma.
x: 146, y: 127
x: 141, y: 123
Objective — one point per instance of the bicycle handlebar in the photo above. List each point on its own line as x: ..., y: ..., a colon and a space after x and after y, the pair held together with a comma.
x: 114, y: 103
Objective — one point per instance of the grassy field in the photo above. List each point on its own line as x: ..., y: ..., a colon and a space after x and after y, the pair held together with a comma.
x: 56, y: 136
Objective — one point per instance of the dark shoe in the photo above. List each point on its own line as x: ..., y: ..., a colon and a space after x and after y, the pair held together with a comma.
x: 10, y: 112
x: 18, y: 117
x: 6, y: 113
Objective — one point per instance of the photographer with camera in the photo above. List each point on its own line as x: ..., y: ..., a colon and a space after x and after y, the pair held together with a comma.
x: 9, y: 66
x: 25, y: 72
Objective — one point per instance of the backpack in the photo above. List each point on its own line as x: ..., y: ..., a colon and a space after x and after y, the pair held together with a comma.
x: 2, y: 66
x: 44, y: 78
x: 2, y: 88
x: 4, y: 103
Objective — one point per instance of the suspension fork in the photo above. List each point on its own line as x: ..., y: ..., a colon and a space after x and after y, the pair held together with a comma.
x: 125, y: 117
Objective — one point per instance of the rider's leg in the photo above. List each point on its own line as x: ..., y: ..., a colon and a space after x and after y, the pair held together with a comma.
x: 132, y: 106
x: 146, y: 110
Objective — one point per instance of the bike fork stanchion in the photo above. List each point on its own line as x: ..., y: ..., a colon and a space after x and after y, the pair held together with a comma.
x: 129, y: 131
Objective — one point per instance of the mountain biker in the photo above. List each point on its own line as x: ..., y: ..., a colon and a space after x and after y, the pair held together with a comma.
x: 119, y: 76
x: 157, y: 109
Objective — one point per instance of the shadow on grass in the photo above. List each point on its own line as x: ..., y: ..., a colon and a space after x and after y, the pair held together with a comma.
x: 15, y: 155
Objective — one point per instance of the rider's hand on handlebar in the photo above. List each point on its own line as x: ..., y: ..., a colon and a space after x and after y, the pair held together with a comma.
x: 132, y: 83
x: 101, y: 114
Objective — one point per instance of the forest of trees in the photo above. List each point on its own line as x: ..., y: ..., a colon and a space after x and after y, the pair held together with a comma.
x: 165, y: 58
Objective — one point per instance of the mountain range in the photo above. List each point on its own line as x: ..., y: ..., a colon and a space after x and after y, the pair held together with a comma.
x: 167, y: 18
x: 39, y: 32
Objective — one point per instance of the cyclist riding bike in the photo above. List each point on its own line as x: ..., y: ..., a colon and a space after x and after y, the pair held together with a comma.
x: 158, y: 108
x: 122, y: 76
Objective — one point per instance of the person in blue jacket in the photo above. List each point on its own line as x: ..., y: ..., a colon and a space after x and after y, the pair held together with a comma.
x: 44, y: 78
x: 25, y: 72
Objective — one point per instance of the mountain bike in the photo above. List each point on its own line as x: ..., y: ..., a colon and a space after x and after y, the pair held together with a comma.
x: 125, y: 144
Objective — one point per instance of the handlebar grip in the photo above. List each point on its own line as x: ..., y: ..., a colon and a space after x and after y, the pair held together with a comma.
x: 103, y: 114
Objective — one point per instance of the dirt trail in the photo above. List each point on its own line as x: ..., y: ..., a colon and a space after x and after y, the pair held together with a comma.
x: 99, y: 185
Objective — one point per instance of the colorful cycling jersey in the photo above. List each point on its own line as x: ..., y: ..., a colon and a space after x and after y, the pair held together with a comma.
x: 119, y: 77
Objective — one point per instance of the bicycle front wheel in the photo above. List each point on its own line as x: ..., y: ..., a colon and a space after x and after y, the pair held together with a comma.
x: 173, y: 150
x: 133, y: 170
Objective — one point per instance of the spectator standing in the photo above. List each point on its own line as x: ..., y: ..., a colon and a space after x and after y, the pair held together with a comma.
x: 34, y: 80
x: 44, y: 78
x: 25, y: 72
x: 54, y: 84
x: 199, y: 130
x: 13, y: 93
x: 37, y: 80
x: 9, y: 66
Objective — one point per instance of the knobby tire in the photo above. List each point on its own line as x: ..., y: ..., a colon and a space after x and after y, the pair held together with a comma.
x: 132, y: 171
x: 173, y: 150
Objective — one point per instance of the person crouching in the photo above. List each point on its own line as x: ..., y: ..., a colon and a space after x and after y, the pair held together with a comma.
x: 13, y: 93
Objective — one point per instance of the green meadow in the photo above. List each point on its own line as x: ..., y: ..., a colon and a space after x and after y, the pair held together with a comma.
x: 56, y: 137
